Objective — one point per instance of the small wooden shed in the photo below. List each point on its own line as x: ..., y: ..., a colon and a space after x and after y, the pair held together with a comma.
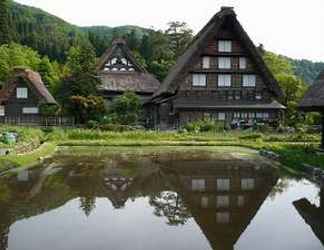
x: 313, y: 100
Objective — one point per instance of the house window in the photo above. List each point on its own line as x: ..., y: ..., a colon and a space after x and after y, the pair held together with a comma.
x: 199, y: 80
x: 222, y: 201
x: 204, y: 202
x: 223, y: 217
x: 243, y: 63
x: 223, y: 184
x: 224, y: 80
x: 240, y: 201
x: 206, y: 62
x: 198, y: 185
x: 30, y: 110
x: 249, y: 80
x: 22, y: 93
x: 224, y: 62
x: 248, y: 184
x: 2, y: 110
x: 262, y: 115
x: 224, y: 46
x: 221, y: 116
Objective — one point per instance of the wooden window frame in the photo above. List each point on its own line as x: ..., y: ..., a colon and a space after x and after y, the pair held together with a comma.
x: 199, y: 85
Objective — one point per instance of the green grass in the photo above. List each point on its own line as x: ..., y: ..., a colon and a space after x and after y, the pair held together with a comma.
x: 291, y: 147
x: 29, y: 159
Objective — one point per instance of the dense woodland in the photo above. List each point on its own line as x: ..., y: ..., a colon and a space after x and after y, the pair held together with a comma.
x: 66, y: 55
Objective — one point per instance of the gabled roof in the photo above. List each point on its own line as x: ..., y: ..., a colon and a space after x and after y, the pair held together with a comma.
x: 179, y: 71
x: 33, y: 79
x: 138, y: 80
x: 314, y: 98
x: 119, y: 44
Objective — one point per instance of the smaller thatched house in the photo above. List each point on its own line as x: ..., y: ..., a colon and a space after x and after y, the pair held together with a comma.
x: 313, y: 100
x: 24, y: 94
x: 119, y: 71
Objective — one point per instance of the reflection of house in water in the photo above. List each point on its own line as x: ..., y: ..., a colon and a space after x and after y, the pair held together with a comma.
x: 223, y: 197
x: 313, y: 215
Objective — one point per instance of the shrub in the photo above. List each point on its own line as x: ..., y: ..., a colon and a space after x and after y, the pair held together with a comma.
x: 204, y: 125
x: 92, y: 124
x: 254, y: 136
x: 87, y: 108
x: 49, y: 110
x: 126, y: 109
x: 116, y: 128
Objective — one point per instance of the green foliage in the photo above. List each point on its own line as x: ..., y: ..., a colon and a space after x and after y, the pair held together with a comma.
x: 87, y: 108
x: 253, y: 136
x: 307, y: 70
x: 204, y: 125
x: 49, y: 109
x: 180, y: 36
x: 126, y: 109
x: 80, y: 83
x: 15, y: 55
x: 43, y: 32
x: 293, y: 87
x: 81, y: 60
x: 5, y: 33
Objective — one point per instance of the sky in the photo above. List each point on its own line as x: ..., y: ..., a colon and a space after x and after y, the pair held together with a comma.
x: 294, y: 28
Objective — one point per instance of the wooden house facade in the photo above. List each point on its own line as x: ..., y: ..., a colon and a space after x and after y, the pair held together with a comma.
x: 313, y: 101
x: 221, y: 76
x: 119, y: 71
x: 23, y: 95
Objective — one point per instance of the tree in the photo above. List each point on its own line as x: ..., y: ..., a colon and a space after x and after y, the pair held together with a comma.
x: 170, y: 205
x: 180, y: 36
x: 4, y: 22
x: 81, y: 80
x: 82, y: 60
x: 50, y: 77
x: 278, y: 64
x: 126, y: 109
x: 87, y: 108
x: 293, y: 88
x: 87, y: 204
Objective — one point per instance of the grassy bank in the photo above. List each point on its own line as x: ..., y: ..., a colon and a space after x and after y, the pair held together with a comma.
x: 294, y: 149
x: 27, y: 160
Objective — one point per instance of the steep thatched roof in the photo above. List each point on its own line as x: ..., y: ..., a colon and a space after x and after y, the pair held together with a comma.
x: 179, y: 71
x: 33, y: 79
x: 314, y: 98
x: 128, y: 81
x: 138, y: 80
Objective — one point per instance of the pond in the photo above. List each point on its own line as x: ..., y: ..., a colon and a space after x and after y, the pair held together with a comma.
x: 166, y: 198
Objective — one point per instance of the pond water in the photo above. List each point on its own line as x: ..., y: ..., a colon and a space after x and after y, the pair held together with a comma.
x: 159, y: 199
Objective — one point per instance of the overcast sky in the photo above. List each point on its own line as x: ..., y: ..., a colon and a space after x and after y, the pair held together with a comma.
x: 291, y: 27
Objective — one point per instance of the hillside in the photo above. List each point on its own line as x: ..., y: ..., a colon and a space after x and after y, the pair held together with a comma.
x: 52, y: 36
x: 306, y: 69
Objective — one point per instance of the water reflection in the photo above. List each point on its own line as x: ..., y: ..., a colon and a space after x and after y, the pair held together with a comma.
x: 220, y: 196
x: 313, y: 215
